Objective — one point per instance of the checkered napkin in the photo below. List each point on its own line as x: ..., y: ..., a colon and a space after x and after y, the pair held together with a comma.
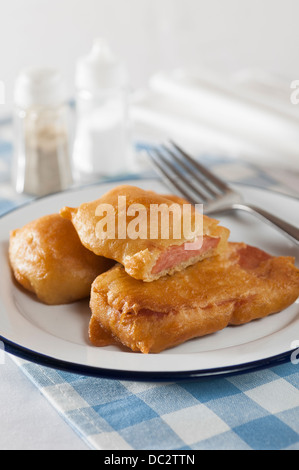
x: 256, y: 410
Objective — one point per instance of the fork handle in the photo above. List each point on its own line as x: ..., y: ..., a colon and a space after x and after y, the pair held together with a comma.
x: 288, y: 229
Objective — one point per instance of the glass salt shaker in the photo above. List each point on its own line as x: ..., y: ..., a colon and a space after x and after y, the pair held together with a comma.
x: 102, y: 142
x: 42, y: 163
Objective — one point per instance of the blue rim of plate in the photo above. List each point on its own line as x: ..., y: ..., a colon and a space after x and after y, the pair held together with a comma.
x: 160, y: 376
x: 116, y: 374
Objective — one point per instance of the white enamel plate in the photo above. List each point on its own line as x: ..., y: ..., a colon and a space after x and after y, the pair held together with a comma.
x: 58, y: 336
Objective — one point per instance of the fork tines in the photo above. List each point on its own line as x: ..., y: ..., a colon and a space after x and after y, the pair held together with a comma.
x: 184, y: 174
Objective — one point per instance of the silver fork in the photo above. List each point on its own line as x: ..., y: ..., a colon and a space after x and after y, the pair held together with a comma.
x: 199, y: 185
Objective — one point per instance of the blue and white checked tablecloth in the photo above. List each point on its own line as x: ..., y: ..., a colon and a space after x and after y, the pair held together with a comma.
x: 257, y: 410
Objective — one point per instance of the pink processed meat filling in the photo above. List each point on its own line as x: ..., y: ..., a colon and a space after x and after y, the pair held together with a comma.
x: 178, y: 254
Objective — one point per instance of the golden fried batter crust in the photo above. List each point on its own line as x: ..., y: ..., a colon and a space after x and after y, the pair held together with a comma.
x: 139, y: 256
x: 48, y: 259
x: 242, y: 284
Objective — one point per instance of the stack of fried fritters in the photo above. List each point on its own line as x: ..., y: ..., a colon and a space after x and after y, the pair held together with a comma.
x: 149, y: 294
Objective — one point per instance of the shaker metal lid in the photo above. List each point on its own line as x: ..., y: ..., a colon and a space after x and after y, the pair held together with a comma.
x: 39, y: 86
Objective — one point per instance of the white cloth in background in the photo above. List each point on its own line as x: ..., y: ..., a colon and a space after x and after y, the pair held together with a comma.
x: 249, y: 116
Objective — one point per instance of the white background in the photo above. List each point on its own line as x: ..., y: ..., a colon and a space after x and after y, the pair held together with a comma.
x: 150, y: 34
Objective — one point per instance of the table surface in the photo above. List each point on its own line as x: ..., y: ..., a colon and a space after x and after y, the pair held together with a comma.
x: 38, y: 426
